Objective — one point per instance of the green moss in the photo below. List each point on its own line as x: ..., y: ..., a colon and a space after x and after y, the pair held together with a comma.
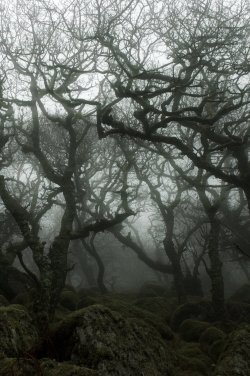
x: 17, y: 331
x: 217, y: 348
x: 235, y: 357
x: 201, y: 310
x: 128, y: 310
x: 160, y: 306
x: 191, y: 330
x: 44, y: 367
x: 192, y: 366
x: 209, y: 336
x: 193, y: 351
x: 52, y: 368
x: 101, y: 339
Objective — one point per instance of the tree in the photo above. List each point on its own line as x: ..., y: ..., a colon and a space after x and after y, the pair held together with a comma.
x: 46, y: 117
x: 180, y: 67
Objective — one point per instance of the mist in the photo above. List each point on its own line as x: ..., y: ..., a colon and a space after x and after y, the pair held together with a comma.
x: 124, y: 188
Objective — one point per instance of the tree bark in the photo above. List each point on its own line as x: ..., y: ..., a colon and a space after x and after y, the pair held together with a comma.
x: 215, y: 271
x: 177, y: 271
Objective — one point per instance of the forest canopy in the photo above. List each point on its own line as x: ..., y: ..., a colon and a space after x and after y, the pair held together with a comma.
x: 126, y: 124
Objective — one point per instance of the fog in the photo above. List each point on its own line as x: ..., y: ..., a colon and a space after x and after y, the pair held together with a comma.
x: 125, y: 159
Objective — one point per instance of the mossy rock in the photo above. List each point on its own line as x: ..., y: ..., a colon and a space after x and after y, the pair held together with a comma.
x: 242, y: 294
x: 3, y: 301
x: 210, y: 336
x: 19, y: 367
x: 217, y: 348
x: 128, y: 310
x: 193, y: 351
x: 98, y: 338
x: 201, y: 310
x: 235, y: 358
x: 44, y: 367
x: 17, y: 331
x: 191, y: 330
x: 189, y: 349
x: 52, y: 368
x: 160, y: 306
x: 69, y: 299
x: 192, y: 361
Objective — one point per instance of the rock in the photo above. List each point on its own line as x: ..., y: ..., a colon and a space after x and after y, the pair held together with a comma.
x: 201, y: 310
x: 98, y: 338
x: 160, y: 306
x: 192, y: 361
x: 191, y: 330
x: 52, y: 368
x: 128, y: 310
x: 209, y: 337
x: 235, y: 359
x: 44, y: 367
x: 17, y: 331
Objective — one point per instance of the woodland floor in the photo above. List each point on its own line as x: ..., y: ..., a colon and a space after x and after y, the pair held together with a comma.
x: 125, y: 335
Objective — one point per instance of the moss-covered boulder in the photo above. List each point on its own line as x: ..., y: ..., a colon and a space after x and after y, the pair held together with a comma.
x: 69, y: 299
x: 19, y: 367
x: 158, y: 305
x: 17, y: 331
x: 52, y: 368
x: 235, y: 359
x: 129, y: 310
x: 192, y: 361
x: 191, y: 330
x: 209, y: 337
x: 201, y: 310
x: 103, y: 340
x: 44, y: 367
x: 216, y: 349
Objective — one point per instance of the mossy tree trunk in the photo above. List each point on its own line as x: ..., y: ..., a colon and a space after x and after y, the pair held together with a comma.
x: 59, y: 249
x: 215, y: 270
x: 91, y: 249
